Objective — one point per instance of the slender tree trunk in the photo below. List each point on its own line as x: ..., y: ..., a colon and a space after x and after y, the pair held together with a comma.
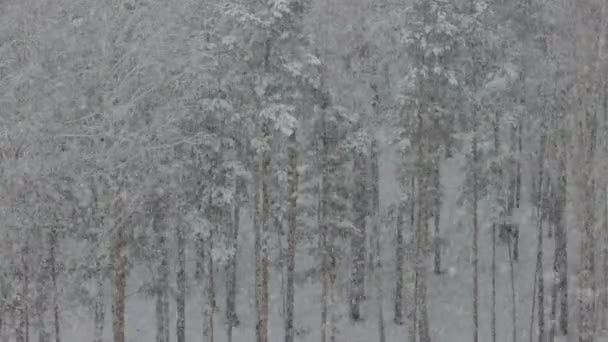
x: 412, y: 311
x: 26, y: 292
x: 162, y: 283
x: 99, y: 306
x: 423, y: 316
x: 119, y: 273
x: 561, y: 249
x: 257, y: 239
x: 324, y: 247
x: 375, y: 192
x: 210, y: 288
x: 494, y: 282
x: 475, y: 241
x: 554, y: 289
x: 379, y: 292
x: 53, y: 240
x: 262, y: 268
x: 513, y: 300
x: 586, y: 123
x: 399, y: 260
x: 539, y: 256
x: 357, y: 243
x: 264, y: 211
x: 436, y: 217
x: 231, y: 269
x: 181, y: 283
x: 604, y: 94
x: 21, y: 328
x: 604, y: 293
x: 325, y: 324
x: 291, y: 237
x: 421, y: 237
x: 160, y: 319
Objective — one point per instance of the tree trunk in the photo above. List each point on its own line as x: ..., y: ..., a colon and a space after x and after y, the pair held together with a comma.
x: 210, y: 288
x: 119, y: 273
x: 586, y: 136
x: 26, y: 292
x: 231, y: 268
x: 181, y: 283
x: 262, y: 264
x: 494, y: 282
x: 413, y: 307
x: 475, y: 241
x: 53, y: 240
x: 539, y: 255
x: 513, y: 300
x: 399, y: 260
x: 264, y: 211
x: 377, y: 271
x: 291, y: 237
x: 99, y: 305
x: 358, y: 240
x: 436, y: 217
x: 561, y: 248
x: 421, y: 236
x: 604, y: 294
x: 324, y: 247
x: 162, y: 281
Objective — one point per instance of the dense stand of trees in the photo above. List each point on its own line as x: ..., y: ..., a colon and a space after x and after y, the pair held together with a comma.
x: 192, y: 153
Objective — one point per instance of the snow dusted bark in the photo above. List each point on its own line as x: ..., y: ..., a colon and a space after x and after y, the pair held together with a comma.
x: 412, y: 312
x: 119, y: 283
x: 475, y: 248
x: 263, y: 212
x: 291, y: 236
x: 539, y: 255
x: 324, y: 243
x: 399, y: 265
x: 231, y: 267
x: 421, y: 236
x: 560, y: 263
x: 162, y: 280
x: 262, y: 263
x: 377, y: 270
x: 357, y: 243
x: 181, y: 282
x: 99, y: 304
x: 436, y: 219
x: 53, y: 242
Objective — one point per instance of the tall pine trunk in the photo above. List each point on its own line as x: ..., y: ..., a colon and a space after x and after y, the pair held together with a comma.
x: 232, y: 318
x: 358, y: 239
x: 162, y: 280
x: 119, y: 282
x: 377, y: 271
x: 291, y: 236
x: 475, y: 248
x: 53, y: 241
x: 399, y: 273
x: 324, y: 244
x: 99, y: 303
x: 436, y: 218
x: 421, y: 237
x: 539, y: 255
x: 181, y: 283
x: 262, y: 261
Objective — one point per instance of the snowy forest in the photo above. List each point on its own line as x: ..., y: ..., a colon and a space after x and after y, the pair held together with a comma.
x: 303, y: 170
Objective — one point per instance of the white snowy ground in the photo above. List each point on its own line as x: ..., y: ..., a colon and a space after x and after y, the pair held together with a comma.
x: 449, y: 294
